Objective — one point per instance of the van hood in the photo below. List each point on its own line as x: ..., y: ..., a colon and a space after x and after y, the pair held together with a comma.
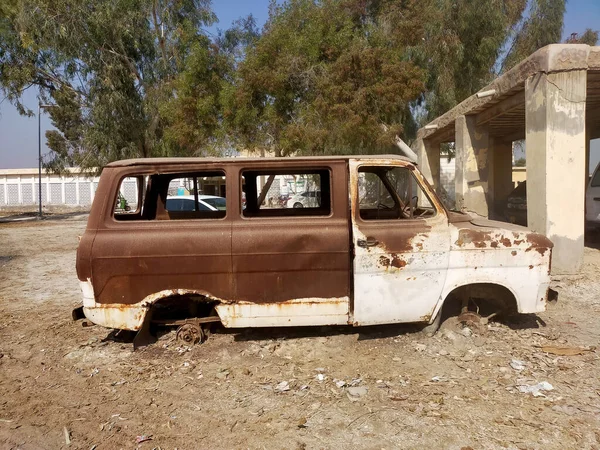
x: 479, y: 233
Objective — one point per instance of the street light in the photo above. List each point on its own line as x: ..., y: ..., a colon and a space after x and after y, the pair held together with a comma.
x: 40, y: 106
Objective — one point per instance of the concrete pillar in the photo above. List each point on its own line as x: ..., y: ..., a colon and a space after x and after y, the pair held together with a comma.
x: 555, y: 139
x: 501, y: 184
x: 473, y: 166
x: 428, y: 154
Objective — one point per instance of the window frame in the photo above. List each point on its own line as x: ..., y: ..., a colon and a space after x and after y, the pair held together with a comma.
x: 142, y: 183
x: 145, y: 174
x: 288, y: 170
x: 194, y: 175
x: 411, y: 170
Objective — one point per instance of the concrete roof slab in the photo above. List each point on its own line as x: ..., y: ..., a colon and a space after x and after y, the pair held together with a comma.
x: 550, y: 59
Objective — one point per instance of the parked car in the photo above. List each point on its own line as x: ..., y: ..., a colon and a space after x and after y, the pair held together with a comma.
x: 186, y: 203
x: 305, y: 199
x: 516, y: 205
x: 378, y: 247
x: 592, y: 198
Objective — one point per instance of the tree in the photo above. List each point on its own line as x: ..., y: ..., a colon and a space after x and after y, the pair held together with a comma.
x: 324, y: 77
x: 589, y: 37
x: 542, y: 26
x: 108, y: 66
x: 462, y: 44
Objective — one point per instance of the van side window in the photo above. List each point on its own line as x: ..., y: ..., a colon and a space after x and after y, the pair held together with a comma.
x: 277, y: 193
x: 389, y: 193
x: 198, y: 195
x: 130, y: 198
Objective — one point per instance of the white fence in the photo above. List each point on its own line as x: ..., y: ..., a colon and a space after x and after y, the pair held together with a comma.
x: 20, y: 187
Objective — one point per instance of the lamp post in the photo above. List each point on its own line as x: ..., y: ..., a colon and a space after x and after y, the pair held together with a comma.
x: 40, y: 106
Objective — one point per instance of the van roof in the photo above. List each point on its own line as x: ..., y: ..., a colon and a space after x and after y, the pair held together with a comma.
x: 195, y: 160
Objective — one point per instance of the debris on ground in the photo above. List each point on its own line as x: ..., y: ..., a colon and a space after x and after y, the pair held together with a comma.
x: 536, y: 389
x: 517, y: 365
x: 339, y: 383
x: 222, y: 374
x: 143, y: 438
x: 566, y: 351
x: 282, y: 387
x: 355, y: 393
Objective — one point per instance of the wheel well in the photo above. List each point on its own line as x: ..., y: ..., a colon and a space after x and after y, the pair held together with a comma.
x: 487, y: 298
x: 180, y: 307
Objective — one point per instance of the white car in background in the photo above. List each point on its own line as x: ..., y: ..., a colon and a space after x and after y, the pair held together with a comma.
x: 516, y: 207
x: 307, y: 199
x: 186, y: 203
x: 592, y: 198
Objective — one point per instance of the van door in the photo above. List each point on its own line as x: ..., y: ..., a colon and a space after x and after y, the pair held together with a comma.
x: 592, y: 197
x: 401, y: 243
x: 291, y: 265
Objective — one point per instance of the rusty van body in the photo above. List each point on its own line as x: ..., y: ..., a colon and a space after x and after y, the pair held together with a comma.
x: 376, y: 247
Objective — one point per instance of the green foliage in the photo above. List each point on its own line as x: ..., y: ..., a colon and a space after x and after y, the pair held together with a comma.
x: 589, y: 37
x: 139, y: 78
x: 462, y: 44
x: 106, y: 64
x: 520, y: 162
x: 542, y: 27
x: 324, y: 77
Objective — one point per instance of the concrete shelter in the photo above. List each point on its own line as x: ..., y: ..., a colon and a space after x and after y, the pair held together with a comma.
x: 552, y: 100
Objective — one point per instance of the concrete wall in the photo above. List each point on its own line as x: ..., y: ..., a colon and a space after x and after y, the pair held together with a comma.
x: 472, y: 166
x: 556, y: 157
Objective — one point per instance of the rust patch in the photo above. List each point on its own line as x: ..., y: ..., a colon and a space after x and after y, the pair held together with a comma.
x: 469, y: 236
x: 539, y: 243
x: 397, y: 262
x: 419, y: 245
x: 530, y: 267
x: 514, y: 253
x: 505, y: 241
x: 519, y: 241
x: 384, y: 261
x: 539, y: 240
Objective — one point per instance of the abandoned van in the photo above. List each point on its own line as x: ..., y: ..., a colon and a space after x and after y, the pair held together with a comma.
x: 188, y: 242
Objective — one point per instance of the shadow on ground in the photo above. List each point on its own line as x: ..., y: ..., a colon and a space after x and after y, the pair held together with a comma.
x: 33, y: 216
x: 592, y: 237
x: 517, y: 322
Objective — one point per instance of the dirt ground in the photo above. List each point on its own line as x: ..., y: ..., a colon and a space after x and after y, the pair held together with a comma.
x: 376, y: 388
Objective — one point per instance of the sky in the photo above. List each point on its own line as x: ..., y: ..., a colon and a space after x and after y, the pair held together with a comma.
x: 18, y: 135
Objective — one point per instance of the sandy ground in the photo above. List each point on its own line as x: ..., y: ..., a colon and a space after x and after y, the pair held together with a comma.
x: 376, y: 388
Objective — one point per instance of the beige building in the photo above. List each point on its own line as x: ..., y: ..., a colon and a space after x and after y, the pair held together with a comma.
x: 552, y: 100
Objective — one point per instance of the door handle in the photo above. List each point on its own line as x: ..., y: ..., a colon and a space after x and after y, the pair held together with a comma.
x: 369, y: 242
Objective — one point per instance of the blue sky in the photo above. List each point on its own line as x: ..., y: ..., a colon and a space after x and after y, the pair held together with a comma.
x: 18, y: 135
